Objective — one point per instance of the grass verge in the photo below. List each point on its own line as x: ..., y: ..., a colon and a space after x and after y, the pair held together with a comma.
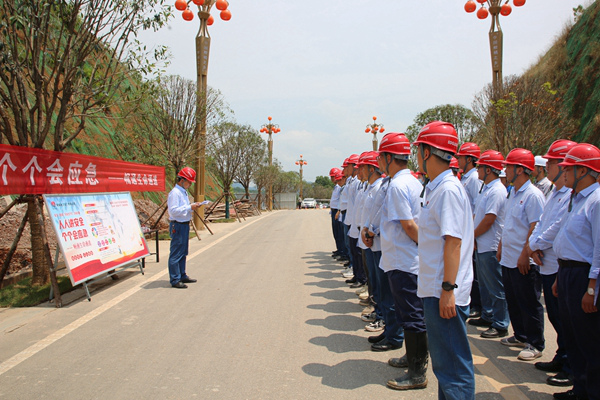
x: 22, y: 294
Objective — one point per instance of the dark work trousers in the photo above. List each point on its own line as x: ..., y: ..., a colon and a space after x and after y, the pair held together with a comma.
x: 180, y: 240
x: 581, y: 330
x: 475, y: 296
x: 340, y: 232
x: 393, y: 326
x: 554, y: 317
x: 409, y: 306
x: 373, y: 258
x: 357, y: 261
x: 523, y: 293
x: 339, y: 243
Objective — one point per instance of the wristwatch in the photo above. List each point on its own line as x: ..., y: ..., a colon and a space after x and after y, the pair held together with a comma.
x: 591, y: 291
x: 448, y: 287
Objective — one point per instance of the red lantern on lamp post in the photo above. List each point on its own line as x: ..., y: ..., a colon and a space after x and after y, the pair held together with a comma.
x: 202, y: 52
x: 301, y: 162
x: 270, y: 128
x: 374, y: 128
x: 495, y: 8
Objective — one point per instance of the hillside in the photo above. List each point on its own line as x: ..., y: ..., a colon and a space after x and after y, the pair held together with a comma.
x: 572, y: 65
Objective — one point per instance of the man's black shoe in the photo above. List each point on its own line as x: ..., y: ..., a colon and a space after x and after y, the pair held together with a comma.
x: 560, y: 379
x: 357, y: 285
x: 474, y: 313
x: 568, y: 395
x: 552, y: 366
x: 180, y: 285
x: 353, y: 280
x: 376, y: 339
x: 347, y: 264
x: 384, y: 345
x: 189, y: 280
x: 479, y: 322
x: 494, y: 333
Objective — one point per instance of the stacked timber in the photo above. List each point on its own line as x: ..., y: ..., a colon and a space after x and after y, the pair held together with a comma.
x: 245, y: 208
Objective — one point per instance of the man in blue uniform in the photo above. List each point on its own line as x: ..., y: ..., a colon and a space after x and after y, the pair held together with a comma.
x: 180, y: 215
x: 577, y: 247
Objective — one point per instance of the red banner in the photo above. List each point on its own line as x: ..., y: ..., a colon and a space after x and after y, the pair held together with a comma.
x: 25, y: 170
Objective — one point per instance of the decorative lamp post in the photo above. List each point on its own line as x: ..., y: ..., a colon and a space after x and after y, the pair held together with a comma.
x: 495, y: 31
x: 374, y: 128
x: 270, y: 129
x: 202, y: 52
x: 301, y: 163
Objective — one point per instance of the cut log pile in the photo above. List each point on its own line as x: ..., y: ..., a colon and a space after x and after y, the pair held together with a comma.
x: 245, y: 208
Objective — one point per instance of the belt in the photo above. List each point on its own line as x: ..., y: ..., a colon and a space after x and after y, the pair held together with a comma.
x: 573, y: 264
x: 181, y: 223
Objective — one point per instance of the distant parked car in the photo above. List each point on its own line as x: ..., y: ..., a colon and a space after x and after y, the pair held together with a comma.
x: 309, y: 202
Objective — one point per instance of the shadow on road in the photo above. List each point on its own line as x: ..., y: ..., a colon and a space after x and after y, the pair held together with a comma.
x: 342, y: 343
x: 343, y: 323
x: 351, y: 374
x: 336, y: 307
x: 335, y: 295
x: 157, y: 285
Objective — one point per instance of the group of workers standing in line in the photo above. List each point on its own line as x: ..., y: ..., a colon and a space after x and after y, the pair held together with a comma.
x: 429, y: 250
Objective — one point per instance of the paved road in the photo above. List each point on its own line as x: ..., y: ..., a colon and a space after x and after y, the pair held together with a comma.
x: 270, y: 318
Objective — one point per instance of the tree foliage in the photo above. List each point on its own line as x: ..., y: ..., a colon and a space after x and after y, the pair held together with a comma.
x: 225, y: 151
x: 528, y: 114
x: 463, y: 119
x: 161, y: 129
x: 255, y: 148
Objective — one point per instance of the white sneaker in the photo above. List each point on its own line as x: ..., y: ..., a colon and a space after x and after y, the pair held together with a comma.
x: 364, y: 295
x: 368, y: 317
x: 375, y: 326
x: 348, y: 274
x: 529, y: 353
x: 367, y: 310
x: 361, y: 290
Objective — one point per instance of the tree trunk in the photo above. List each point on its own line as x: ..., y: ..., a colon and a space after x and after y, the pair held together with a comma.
x: 38, y: 259
x: 226, y: 205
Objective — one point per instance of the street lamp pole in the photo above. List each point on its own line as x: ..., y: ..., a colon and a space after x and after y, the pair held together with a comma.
x: 495, y: 34
x: 374, y: 128
x: 202, y: 53
x: 270, y: 128
x: 301, y: 163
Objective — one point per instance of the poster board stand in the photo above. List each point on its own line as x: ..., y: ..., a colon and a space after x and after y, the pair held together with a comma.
x: 98, y: 235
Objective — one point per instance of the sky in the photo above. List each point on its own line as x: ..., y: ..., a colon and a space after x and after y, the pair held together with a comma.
x: 323, y: 69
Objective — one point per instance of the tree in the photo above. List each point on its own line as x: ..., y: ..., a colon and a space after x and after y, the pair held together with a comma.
x: 225, y: 152
x: 528, y: 115
x: 265, y: 176
x: 255, y: 148
x: 463, y: 119
x: 62, y: 63
x: 163, y: 127
x: 324, y: 181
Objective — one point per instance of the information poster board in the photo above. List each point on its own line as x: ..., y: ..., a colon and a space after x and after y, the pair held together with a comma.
x: 96, y: 232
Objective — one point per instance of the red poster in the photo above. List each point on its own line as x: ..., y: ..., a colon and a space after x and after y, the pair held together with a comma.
x: 25, y: 170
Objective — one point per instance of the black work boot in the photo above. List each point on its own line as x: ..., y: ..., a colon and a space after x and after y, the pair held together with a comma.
x: 416, y: 353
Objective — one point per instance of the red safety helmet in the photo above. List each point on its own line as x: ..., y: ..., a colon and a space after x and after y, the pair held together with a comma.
x: 188, y: 174
x: 395, y: 143
x: 353, y: 159
x: 454, y: 163
x: 583, y: 154
x: 334, y: 171
x: 339, y: 177
x: 559, y: 149
x: 440, y: 135
x: 521, y: 157
x: 492, y: 159
x: 369, y: 158
x: 469, y: 149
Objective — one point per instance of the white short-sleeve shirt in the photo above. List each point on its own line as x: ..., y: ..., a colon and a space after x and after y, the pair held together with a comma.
x: 490, y: 201
x: 402, y: 203
x: 446, y: 212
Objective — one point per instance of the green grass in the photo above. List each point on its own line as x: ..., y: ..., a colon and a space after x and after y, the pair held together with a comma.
x: 22, y: 294
x: 224, y: 220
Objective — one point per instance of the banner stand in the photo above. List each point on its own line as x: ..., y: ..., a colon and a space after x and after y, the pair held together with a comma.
x: 113, y: 272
